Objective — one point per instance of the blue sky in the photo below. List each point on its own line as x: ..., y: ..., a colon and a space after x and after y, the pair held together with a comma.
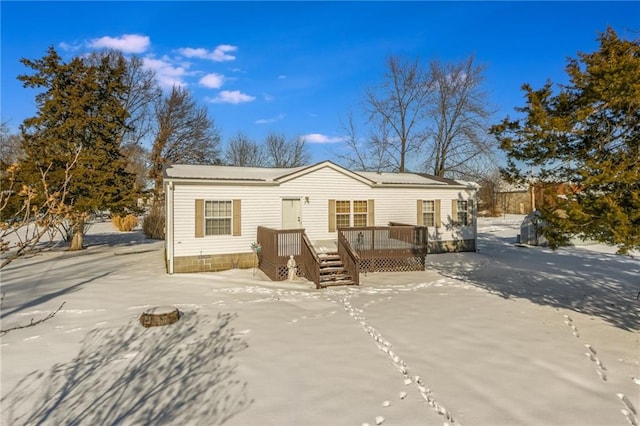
x: 298, y: 68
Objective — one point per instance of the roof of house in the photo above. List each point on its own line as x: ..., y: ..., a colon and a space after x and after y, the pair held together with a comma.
x: 280, y: 175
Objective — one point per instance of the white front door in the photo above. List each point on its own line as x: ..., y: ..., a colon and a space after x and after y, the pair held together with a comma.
x: 291, y: 213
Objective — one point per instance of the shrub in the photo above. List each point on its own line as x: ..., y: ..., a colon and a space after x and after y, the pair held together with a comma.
x: 153, y: 223
x: 126, y: 223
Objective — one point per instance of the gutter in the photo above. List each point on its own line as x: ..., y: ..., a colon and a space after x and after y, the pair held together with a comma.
x: 235, y: 182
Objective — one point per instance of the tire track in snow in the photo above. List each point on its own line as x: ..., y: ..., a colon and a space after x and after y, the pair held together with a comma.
x: 385, y: 346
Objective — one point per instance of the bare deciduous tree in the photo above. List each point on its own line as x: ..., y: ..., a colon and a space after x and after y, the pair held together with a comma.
x: 358, y: 155
x: 136, y: 155
x: 31, y: 211
x: 10, y: 150
x: 185, y: 134
x: 282, y: 153
x: 242, y: 151
x: 433, y: 119
x: 396, y: 112
x: 490, y: 185
x: 459, y: 111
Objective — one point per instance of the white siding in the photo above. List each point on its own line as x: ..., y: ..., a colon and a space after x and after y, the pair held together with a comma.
x: 400, y: 205
x: 262, y: 206
x: 321, y: 186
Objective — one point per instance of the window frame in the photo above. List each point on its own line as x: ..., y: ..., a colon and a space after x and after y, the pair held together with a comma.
x: 227, y: 219
x: 360, y: 214
x: 462, y: 213
x: 432, y: 222
x: 341, y: 213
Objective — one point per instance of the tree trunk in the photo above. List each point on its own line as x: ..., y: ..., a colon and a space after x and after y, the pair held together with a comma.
x: 160, y: 315
x: 77, y: 241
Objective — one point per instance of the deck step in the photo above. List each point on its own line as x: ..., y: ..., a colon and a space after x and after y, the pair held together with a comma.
x: 330, y: 263
x: 336, y: 283
x: 332, y: 271
x: 330, y: 258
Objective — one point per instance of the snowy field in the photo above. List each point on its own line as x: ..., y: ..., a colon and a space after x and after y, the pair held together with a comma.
x: 505, y: 336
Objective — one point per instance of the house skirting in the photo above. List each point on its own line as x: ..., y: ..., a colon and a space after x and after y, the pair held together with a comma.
x: 434, y: 247
x: 213, y: 262
x: 223, y: 262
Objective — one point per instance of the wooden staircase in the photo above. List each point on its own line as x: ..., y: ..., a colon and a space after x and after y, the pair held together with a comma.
x: 332, y: 271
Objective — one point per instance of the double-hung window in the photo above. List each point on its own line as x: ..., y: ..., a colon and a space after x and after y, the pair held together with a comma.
x: 360, y: 213
x: 217, y: 217
x: 348, y: 213
x: 463, y: 212
x: 429, y: 213
x: 343, y: 213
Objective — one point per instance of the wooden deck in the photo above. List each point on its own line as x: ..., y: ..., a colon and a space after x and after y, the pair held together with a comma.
x: 359, y: 249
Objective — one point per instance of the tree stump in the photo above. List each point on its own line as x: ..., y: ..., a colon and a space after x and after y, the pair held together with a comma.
x: 160, y: 315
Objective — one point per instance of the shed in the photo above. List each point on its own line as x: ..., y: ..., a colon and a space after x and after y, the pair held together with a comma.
x: 530, y: 229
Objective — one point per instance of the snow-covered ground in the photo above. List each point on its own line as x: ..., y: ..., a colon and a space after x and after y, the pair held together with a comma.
x: 506, y: 336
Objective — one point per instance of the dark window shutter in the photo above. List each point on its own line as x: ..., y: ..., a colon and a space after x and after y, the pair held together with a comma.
x: 332, y: 215
x: 454, y: 212
x: 371, y: 215
x: 199, y: 218
x: 237, y: 218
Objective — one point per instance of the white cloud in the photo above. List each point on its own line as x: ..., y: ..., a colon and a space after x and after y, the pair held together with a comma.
x: 167, y: 74
x: 282, y: 77
x: 127, y: 43
x: 69, y: 47
x: 270, y: 120
x: 232, y: 97
x: 320, y: 138
x: 212, y: 81
x: 219, y: 54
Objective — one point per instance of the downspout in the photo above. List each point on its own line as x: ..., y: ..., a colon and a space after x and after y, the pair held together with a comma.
x: 169, y: 226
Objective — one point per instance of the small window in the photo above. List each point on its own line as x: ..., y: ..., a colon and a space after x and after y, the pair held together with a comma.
x: 429, y: 213
x: 343, y: 213
x: 360, y: 213
x: 217, y: 217
x: 463, y: 213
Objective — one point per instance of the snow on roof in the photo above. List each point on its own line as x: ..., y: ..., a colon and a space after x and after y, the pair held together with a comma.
x: 208, y: 172
x: 265, y: 174
x: 400, y: 178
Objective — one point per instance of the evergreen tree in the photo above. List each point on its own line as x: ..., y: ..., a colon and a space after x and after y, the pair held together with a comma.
x: 80, y: 119
x: 587, y: 137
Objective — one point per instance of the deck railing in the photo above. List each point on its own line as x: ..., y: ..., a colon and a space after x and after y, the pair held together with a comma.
x: 310, y: 262
x: 388, y: 248
x: 397, y: 247
x: 278, y: 245
x: 350, y: 259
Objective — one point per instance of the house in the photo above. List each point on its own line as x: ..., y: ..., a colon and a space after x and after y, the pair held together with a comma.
x: 527, y: 197
x: 214, y: 214
x: 515, y: 199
